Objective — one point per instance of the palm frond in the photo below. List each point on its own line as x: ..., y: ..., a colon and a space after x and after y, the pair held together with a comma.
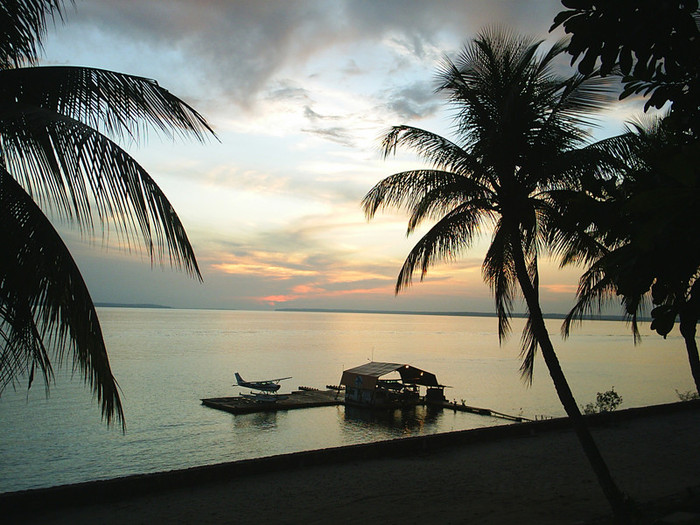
x: 423, y: 193
x: 82, y: 174
x: 598, y: 286
x: 113, y: 103
x: 436, y: 202
x: 570, y: 233
x: 499, y: 273
x: 528, y: 352
x: 441, y: 153
x: 22, y: 27
x: 444, y: 241
x: 45, y: 304
x: 582, y: 96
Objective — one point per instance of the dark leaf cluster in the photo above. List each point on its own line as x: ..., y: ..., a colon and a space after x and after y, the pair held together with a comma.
x: 519, y: 150
x: 653, y: 44
x: 58, y: 153
x: 646, y: 229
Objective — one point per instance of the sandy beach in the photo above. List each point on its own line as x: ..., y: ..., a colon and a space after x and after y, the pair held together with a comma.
x: 539, y: 477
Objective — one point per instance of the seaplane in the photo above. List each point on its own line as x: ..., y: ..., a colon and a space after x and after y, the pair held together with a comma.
x: 264, y: 390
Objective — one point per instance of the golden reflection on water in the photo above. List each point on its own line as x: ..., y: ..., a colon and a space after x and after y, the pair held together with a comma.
x: 167, y: 360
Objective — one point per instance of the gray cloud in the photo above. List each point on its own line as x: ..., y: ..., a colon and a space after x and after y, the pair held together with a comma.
x: 412, y: 102
x: 334, y: 134
x: 240, y: 45
x: 286, y: 90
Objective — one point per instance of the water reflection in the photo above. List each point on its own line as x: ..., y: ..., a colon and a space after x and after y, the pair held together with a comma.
x: 263, y: 421
x: 398, y: 422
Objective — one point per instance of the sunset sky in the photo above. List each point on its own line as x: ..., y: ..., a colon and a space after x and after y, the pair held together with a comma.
x: 298, y: 93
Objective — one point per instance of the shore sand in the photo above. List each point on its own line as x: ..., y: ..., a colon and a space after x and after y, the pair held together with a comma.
x: 540, y: 477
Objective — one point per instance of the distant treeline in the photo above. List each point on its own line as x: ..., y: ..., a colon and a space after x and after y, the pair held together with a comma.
x: 461, y: 314
x: 128, y: 305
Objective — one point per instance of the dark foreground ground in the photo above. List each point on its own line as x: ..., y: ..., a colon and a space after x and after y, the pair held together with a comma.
x: 535, y: 474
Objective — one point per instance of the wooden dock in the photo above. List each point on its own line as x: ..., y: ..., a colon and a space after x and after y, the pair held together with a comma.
x: 303, y: 398
x: 482, y: 411
x: 310, y: 397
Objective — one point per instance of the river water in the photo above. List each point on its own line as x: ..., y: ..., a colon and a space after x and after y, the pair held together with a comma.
x: 167, y: 360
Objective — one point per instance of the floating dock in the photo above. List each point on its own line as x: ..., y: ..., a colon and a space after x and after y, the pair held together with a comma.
x: 307, y: 397
x: 481, y: 411
x: 302, y: 398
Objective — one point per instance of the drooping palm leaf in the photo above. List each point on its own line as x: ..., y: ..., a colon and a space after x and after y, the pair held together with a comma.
x: 441, y: 153
x: 22, y: 25
x: 52, y: 121
x: 113, y: 103
x: 452, y: 234
x: 516, y: 120
x: 499, y: 273
x: 71, y: 168
x: 46, y: 308
x: 423, y: 193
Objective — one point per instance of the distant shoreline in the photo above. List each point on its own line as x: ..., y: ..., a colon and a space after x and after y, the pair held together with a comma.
x: 365, y: 311
x: 452, y: 314
x: 130, y: 305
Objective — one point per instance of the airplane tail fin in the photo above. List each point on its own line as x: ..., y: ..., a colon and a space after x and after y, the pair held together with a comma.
x: 239, y: 379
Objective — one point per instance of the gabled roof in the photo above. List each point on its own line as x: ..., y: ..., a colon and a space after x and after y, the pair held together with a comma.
x: 367, y: 375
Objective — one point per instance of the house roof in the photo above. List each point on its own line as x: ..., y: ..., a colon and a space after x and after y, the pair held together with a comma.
x: 367, y: 376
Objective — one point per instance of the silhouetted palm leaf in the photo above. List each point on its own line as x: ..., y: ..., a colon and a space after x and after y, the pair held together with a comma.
x: 45, y: 305
x: 79, y: 173
x: 520, y: 146
x: 644, y: 227
x: 22, y: 25
x: 54, y: 128
x: 519, y: 127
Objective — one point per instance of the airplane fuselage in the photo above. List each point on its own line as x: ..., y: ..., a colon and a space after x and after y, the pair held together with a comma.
x: 264, y: 387
x: 271, y: 385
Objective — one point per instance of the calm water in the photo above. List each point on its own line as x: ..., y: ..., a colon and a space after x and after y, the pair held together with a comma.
x: 167, y: 360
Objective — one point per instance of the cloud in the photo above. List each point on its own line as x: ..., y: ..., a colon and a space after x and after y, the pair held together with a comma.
x: 242, y: 44
x: 262, y: 269
x: 335, y: 134
x: 413, y: 102
x: 299, y: 91
x: 568, y: 289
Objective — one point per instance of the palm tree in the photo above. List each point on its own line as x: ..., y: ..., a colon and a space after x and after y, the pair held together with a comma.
x: 55, y: 153
x: 644, y: 230
x: 519, y: 125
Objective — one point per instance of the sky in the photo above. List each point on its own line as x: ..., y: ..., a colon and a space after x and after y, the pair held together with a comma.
x: 299, y: 93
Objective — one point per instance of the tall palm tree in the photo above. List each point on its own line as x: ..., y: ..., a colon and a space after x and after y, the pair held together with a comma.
x: 644, y: 230
x: 520, y: 135
x: 56, y: 153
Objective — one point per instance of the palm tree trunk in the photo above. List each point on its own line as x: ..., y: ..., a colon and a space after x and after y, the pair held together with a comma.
x: 688, y: 324
x: 615, y: 497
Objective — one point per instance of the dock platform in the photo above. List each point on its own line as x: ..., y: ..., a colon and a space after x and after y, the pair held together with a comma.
x: 307, y: 397
x: 303, y: 398
x: 482, y: 411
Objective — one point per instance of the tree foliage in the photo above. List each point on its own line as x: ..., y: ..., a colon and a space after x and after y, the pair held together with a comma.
x: 645, y: 227
x: 518, y: 154
x: 653, y: 44
x: 58, y: 127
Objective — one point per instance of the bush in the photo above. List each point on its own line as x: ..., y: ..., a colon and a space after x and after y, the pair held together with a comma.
x: 687, y: 396
x: 605, y: 402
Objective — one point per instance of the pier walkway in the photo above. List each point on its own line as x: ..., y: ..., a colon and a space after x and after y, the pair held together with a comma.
x: 302, y: 398
x: 307, y: 397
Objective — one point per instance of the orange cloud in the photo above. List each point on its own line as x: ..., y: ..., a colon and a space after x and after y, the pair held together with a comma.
x: 568, y: 289
x: 266, y: 270
x: 307, y: 291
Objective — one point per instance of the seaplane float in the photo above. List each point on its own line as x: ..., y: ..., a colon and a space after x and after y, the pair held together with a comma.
x: 263, y: 391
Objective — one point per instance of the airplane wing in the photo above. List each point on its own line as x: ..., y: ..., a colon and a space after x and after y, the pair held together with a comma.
x: 275, y: 380
x: 264, y: 381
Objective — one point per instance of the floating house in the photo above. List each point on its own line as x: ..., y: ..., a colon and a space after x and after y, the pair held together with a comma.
x: 366, y: 385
